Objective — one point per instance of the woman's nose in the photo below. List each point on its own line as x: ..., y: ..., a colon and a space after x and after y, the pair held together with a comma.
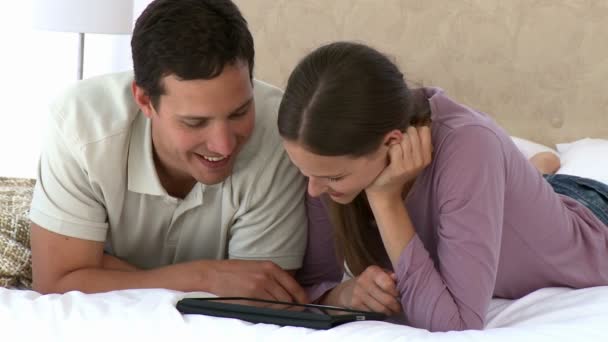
x: 315, y: 187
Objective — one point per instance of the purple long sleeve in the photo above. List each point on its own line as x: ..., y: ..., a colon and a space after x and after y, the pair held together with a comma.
x: 487, y: 225
x: 320, y: 270
x: 455, y: 295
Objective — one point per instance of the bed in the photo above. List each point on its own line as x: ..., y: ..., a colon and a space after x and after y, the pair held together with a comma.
x: 551, y: 314
x: 539, y: 67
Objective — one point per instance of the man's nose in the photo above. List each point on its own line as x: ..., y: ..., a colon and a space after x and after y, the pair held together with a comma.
x: 221, y: 140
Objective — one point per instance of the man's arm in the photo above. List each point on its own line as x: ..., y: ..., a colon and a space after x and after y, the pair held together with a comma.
x: 111, y: 262
x: 70, y: 219
x: 61, y: 263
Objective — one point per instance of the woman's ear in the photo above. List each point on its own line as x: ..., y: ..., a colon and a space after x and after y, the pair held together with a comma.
x: 142, y: 99
x: 393, y: 137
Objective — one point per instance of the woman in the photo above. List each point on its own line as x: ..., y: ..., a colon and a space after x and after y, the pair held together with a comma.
x: 433, y: 208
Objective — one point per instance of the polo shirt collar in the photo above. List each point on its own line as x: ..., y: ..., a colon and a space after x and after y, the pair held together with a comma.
x: 141, y: 170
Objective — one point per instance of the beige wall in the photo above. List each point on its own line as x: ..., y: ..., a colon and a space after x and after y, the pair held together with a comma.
x: 538, y: 66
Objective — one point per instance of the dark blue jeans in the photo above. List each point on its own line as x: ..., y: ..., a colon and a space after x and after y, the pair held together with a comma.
x: 590, y: 193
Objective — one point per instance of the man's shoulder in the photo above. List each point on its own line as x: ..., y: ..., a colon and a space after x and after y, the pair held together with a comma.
x: 262, y: 88
x: 265, y: 133
x: 264, y: 149
x: 267, y: 100
x: 95, y: 109
x: 264, y: 181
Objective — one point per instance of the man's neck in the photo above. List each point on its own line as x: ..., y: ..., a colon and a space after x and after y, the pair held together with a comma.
x: 177, y: 184
x: 178, y: 189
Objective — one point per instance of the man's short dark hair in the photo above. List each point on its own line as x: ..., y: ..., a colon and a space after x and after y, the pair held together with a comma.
x: 192, y: 39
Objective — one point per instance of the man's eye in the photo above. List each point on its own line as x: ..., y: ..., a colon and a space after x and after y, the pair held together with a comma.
x: 334, y: 179
x: 238, y: 115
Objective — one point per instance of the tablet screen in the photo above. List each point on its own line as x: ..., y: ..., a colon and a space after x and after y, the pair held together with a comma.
x: 262, y: 303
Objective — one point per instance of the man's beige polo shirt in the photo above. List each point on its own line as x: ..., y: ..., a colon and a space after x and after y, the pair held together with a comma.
x: 97, y: 181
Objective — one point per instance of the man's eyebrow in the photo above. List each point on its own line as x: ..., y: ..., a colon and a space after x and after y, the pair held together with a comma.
x: 203, y: 117
x: 243, y: 106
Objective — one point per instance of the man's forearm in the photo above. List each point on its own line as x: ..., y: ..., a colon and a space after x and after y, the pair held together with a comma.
x: 111, y: 262
x: 236, y: 278
x: 180, y: 277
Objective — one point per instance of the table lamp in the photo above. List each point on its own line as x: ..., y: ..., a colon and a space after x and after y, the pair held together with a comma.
x: 83, y: 16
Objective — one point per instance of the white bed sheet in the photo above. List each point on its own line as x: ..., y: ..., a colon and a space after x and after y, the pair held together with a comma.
x: 551, y: 314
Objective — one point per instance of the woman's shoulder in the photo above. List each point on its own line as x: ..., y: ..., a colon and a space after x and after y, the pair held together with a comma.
x: 457, y: 127
x: 453, y: 114
x: 470, y: 140
x: 468, y: 149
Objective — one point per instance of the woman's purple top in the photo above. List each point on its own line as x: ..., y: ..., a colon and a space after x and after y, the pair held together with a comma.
x: 487, y: 225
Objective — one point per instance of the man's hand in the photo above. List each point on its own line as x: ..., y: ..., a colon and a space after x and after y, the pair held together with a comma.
x: 257, y: 279
x: 373, y: 290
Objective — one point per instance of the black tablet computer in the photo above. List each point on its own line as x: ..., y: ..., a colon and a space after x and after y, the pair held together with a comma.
x: 274, y: 312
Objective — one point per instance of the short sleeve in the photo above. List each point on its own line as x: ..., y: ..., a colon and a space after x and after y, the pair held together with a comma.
x: 271, y: 222
x: 63, y: 199
x: 273, y: 226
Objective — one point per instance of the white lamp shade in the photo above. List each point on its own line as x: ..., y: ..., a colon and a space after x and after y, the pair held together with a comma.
x: 86, y: 16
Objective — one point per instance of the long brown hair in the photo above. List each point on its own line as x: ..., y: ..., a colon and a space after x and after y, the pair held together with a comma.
x: 341, y: 100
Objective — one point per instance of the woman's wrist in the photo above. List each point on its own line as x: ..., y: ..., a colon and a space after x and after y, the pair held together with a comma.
x: 381, y: 197
x: 386, y: 198
x: 334, y: 297
x: 382, y: 202
x: 394, y: 224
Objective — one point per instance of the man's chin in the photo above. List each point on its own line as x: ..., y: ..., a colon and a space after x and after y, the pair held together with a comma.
x: 208, y: 179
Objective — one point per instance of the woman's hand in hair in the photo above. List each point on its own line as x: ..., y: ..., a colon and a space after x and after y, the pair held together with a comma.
x: 373, y: 290
x: 406, y: 160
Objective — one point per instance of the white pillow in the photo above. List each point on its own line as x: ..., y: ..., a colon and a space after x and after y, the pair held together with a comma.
x: 530, y: 148
x: 585, y: 158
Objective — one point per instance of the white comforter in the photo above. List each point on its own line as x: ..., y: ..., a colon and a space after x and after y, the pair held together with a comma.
x: 552, y: 314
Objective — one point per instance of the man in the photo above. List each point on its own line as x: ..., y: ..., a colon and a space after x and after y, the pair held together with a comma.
x: 171, y: 171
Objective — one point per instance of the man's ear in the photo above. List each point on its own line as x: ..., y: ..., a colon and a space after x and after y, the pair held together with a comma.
x: 142, y: 99
x: 393, y: 137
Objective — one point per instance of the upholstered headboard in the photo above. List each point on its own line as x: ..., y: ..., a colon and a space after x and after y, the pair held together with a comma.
x: 539, y: 67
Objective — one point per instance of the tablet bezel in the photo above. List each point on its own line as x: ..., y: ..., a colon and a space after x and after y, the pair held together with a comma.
x: 213, y: 306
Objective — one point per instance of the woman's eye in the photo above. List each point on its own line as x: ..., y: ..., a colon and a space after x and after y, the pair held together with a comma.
x: 334, y: 179
x: 194, y: 123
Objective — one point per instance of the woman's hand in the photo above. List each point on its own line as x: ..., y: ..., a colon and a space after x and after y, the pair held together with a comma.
x: 407, y: 159
x: 373, y: 290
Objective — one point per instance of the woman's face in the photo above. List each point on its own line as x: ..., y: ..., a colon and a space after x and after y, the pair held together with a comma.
x: 341, y: 177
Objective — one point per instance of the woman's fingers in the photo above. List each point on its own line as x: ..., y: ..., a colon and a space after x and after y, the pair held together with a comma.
x: 378, y: 290
x: 424, y: 133
x: 364, y: 298
x: 415, y: 147
x: 396, y: 161
x: 386, y: 290
x: 406, y: 160
x: 388, y: 301
x: 387, y: 283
